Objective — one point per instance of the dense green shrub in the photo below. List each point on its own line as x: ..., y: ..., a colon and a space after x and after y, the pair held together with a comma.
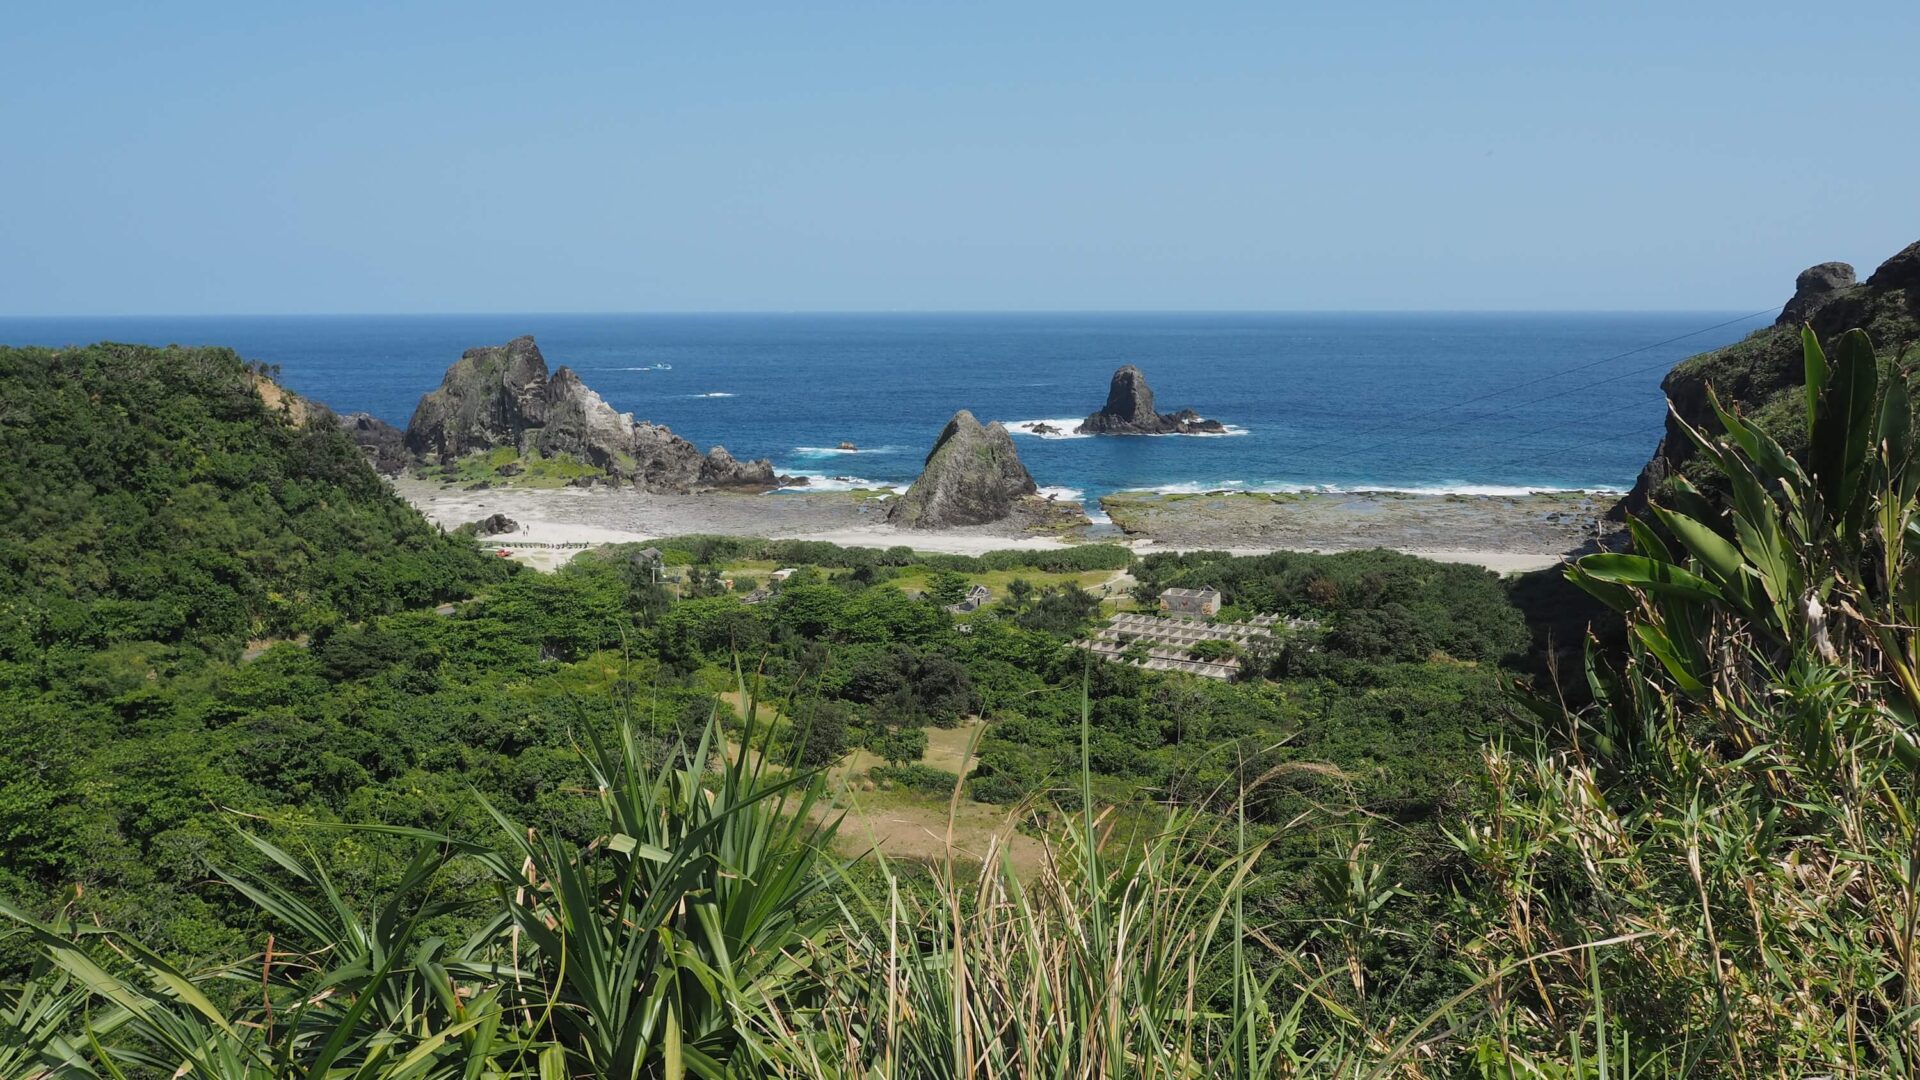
x: 922, y: 778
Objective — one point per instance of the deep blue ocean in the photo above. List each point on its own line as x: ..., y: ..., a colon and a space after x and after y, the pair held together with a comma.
x: 1460, y: 402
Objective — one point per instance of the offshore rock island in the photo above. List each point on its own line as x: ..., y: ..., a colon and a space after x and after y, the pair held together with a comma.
x: 1129, y: 411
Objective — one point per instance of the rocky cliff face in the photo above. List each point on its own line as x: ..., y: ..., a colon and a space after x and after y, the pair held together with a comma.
x: 973, y: 476
x: 1129, y: 411
x: 384, y: 444
x: 1762, y: 375
x: 503, y: 396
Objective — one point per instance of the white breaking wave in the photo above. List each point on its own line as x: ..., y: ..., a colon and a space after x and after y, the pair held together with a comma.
x: 836, y: 451
x: 817, y: 482
x: 1231, y: 430
x: 1063, y: 429
x: 1362, y: 487
x: 716, y: 393
x: 1090, y: 507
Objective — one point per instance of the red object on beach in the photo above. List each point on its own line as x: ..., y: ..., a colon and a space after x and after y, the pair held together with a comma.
x: 503, y: 553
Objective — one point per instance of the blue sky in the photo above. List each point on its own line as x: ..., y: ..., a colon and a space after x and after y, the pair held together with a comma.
x: 255, y: 158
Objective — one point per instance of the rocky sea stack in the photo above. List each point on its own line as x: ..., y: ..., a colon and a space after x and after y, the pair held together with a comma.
x: 1762, y: 376
x: 1129, y: 411
x: 973, y: 476
x: 502, y: 396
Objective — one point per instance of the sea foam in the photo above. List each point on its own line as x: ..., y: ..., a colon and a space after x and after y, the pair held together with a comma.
x: 817, y: 482
x: 1194, y: 487
x: 1064, y: 429
x: 837, y: 451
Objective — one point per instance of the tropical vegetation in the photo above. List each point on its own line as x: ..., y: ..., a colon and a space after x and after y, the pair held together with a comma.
x: 595, y: 823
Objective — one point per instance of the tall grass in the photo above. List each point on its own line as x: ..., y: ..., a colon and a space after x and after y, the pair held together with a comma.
x: 1740, y: 797
x: 1100, y: 964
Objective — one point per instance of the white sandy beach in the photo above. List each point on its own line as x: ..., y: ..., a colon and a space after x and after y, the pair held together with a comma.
x: 554, y: 525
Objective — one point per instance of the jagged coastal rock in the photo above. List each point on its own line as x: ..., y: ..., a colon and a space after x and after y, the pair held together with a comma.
x: 1129, y: 411
x: 973, y: 476
x: 1762, y: 375
x: 495, y: 525
x: 502, y: 395
x: 384, y: 444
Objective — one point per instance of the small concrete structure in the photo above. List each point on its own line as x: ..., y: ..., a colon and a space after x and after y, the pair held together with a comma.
x: 650, y: 560
x: 1168, y: 643
x: 1194, y: 603
x: 976, y: 598
x: 781, y: 574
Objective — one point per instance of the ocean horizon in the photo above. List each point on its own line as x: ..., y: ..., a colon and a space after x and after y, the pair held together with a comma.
x: 1443, y: 402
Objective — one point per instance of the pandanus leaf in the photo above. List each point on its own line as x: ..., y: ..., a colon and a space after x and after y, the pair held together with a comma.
x: 1687, y: 499
x: 1617, y: 598
x: 1756, y: 524
x: 1896, y: 438
x: 1843, y: 425
x: 1708, y: 448
x: 1722, y: 559
x: 1649, y: 575
x: 1684, y: 669
x: 1647, y: 541
x: 1767, y: 456
x: 1815, y: 359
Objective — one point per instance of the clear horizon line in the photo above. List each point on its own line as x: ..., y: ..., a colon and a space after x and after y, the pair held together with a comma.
x: 702, y: 312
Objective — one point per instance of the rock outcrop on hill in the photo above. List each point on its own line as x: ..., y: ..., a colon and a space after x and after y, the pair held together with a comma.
x: 384, y: 444
x: 1762, y: 375
x: 973, y: 476
x: 503, y: 396
x: 1129, y: 411
x: 1812, y: 288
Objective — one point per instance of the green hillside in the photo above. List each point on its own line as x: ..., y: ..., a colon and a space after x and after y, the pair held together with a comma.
x: 662, y: 813
x: 152, y: 495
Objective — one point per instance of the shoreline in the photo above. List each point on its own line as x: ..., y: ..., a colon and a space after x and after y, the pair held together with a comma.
x: 1503, y: 533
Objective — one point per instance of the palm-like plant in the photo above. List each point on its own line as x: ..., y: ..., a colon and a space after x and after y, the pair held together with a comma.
x: 36, y: 1019
x: 348, y: 993
x: 670, y: 944
x: 674, y: 942
x: 1738, y: 800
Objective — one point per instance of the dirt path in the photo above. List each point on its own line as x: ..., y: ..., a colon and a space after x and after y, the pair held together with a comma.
x: 911, y: 825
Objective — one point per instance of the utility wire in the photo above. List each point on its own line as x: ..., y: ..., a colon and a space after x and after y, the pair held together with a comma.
x: 1347, y: 436
x: 1547, y: 397
x: 1581, y: 422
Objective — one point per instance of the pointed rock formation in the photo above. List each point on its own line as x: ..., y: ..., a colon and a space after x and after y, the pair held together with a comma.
x: 502, y: 396
x: 1129, y: 411
x: 973, y: 476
